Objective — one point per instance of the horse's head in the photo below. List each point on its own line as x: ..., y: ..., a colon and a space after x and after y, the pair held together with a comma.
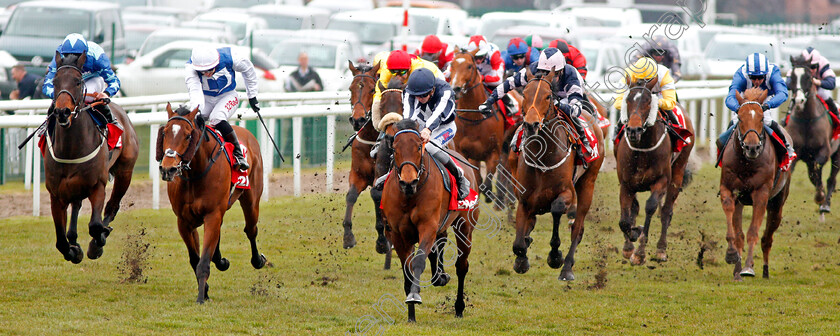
x: 69, y: 87
x: 408, y: 156
x: 750, y: 129
x: 177, y: 141
x: 801, y: 84
x: 391, y: 100
x: 639, y: 108
x: 361, y: 93
x: 538, y: 99
x: 463, y: 73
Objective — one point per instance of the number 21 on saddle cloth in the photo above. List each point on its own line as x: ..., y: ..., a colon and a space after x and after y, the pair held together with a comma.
x: 587, y: 155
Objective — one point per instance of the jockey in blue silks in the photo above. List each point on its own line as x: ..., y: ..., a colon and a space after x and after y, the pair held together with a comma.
x: 758, y: 72
x: 519, y: 55
x: 100, y: 81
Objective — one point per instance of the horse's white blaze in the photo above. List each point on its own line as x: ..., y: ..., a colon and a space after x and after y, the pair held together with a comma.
x: 460, y: 60
x: 752, y: 113
x: 638, y: 95
x: 175, y: 129
x: 454, y: 79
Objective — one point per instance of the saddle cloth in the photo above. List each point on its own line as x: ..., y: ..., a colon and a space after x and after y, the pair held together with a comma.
x: 239, y: 178
x: 775, y: 139
x: 451, y: 186
x: 112, y: 132
x: 680, y: 128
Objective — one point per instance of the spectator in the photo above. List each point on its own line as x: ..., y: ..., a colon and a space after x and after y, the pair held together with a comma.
x: 26, y: 83
x: 304, y: 79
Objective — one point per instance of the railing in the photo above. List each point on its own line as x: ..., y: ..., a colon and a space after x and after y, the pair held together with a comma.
x: 794, y: 29
x: 701, y: 98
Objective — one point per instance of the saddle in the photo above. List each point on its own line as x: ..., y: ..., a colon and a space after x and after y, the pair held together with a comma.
x: 835, y: 121
x: 239, y: 178
x: 450, y: 185
x: 112, y: 133
x: 573, y: 137
x: 775, y: 139
x: 679, y: 133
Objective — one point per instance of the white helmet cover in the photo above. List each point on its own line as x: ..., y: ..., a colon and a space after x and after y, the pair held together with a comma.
x: 204, y: 58
x: 551, y: 59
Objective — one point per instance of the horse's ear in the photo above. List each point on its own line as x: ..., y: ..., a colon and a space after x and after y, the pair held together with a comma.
x: 763, y: 96
x: 58, y: 59
x: 652, y: 83
x: 192, y: 114
x: 169, y: 111
x: 474, y: 52
x: 528, y: 74
x: 352, y: 67
x: 739, y: 97
x: 380, y: 86
x: 375, y: 68
x: 551, y: 74
x: 791, y: 60
x: 81, y: 61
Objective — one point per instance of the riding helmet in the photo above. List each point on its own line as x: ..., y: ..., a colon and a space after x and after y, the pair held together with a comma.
x: 517, y: 46
x: 420, y: 82
x: 73, y: 44
x: 204, y: 58
x: 757, y: 64
x: 551, y: 58
x: 644, y: 68
x: 812, y: 55
x: 478, y: 42
x: 398, y: 60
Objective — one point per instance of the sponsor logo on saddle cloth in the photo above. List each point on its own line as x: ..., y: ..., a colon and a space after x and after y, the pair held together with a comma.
x: 239, y: 178
x: 603, y: 122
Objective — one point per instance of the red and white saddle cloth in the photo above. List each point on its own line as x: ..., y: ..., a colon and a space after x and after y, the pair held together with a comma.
x: 681, y: 129
x: 587, y: 155
x: 239, y: 178
x: 113, y: 133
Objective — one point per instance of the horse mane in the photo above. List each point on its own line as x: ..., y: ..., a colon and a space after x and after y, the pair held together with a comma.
x: 407, y: 124
x: 799, y: 61
x: 182, y: 110
x: 753, y: 94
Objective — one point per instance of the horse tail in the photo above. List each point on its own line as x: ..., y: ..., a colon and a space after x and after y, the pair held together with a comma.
x: 690, y: 167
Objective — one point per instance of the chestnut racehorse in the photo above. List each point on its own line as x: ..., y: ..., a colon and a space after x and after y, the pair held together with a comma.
x: 201, y: 191
x: 546, y: 170
x: 645, y: 162
x: 415, y: 204
x: 750, y: 175
x: 77, y: 161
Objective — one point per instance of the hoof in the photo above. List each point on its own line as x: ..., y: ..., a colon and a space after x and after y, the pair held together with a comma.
x: 413, y: 298
x: 349, y: 240
x: 637, y: 259
x: 459, y: 308
x: 825, y: 209
x: 627, y: 253
x: 747, y: 272
x: 635, y: 233
x: 223, y: 264
x: 257, y: 263
x: 661, y: 256
x: 75, y: 254
x: 732, y: 257
x: 441, y: 280
x: 555, y: 259
x: 566, y: 276
x: 766, y: 272
x: 201, y: 299
x: 102, y: 236
x: 94, y: 250
x: 521, y: 265
x: 381, y: 245
x: 528, y: 241
x: 737, y: 278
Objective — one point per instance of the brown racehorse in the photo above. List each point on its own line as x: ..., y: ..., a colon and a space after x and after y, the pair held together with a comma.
x: 77, y: 162
x: 750, y: 175
x: 810, y: 128
x: 479, y: 137
x: 645, y: 162
x: 200, y: 190
x: 415, y: 204
x: 546, y: 170
x: 362, y: 165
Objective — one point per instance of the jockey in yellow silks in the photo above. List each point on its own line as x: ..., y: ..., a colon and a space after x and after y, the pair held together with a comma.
x: 400, y: 64
x: 646, y: 68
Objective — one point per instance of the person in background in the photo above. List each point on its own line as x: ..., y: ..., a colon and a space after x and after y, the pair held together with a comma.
x: 535, y: 41
x: 519, y: 55
x: 304, y: 79
x: 661, y: 49
x: 26, y: 83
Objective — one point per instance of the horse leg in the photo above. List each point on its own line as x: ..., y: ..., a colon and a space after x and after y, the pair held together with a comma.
x: 524, y: 224
x: 585, y: 189
x: 760, y: 198
x: 122, y: 179
x: 251, y: 210
x: 381, y: 240
x: 657, y: 190
x: 627, y: 201
x: 356, y: 186
x: 417, y: 262
x: 727, y: 202
x: 98, y: 231
x: 212, y: 226
x: 190, y: 238
x: 815, y: 175
x: 774, y: 218
x: 665, y: 215
x: 831, y: 183
x: 463, y: 232
x: 404, y: 252
x: 558, y: 207
x: 72, y: 232
x: 439, y: 276
x: 59, y: 214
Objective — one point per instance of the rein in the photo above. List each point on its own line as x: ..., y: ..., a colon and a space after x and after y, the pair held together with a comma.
x: 359, y: 101
x: 185, y: 166
x: 421, y: 170
x: 808, y: 96
x: 742, y: 136
x: 545, y: 121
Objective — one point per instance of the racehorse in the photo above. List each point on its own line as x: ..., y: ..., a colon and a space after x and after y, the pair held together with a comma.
x: 750, y: 175
x: 811, y: 130
x: 77, y: 162
x: 415, y: 204
x: 362, y: 165
x: 200, y: 191
x: 645, y: 162
x: 480, y: 137
x: 547, y: 172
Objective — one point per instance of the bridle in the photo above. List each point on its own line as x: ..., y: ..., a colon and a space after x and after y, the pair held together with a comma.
x: 359, y: 101
x: 77, y: 103
x: 551, y: 103
x: 421, y: 169
x: 475, y: 77
x: 545, y: 120
x: 184, y: 166
x: 742, y: 136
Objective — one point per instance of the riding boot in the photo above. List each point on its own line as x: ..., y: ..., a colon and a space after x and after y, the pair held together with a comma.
x: 832, y: 107
x: 109, y: 117
x: 375, y: 148
x: 672, y: 118
x: 511, y: 109
x: 240, y: 164
x: 584, y: 141
x: 791, y: 154
x: 618, y: 126
x: 463, y: 183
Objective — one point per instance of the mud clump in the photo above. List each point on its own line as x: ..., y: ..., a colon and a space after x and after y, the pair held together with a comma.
x: 135, y: 258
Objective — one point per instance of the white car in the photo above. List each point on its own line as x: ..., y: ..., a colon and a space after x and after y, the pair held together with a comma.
x: 727, y: 52
x: 240, y: 22
x: 493, y: 21
x: 328, y: 57
x: 161, y: 71
x: 160, y: 37
x: 827, y: 45
x: 291, y: 17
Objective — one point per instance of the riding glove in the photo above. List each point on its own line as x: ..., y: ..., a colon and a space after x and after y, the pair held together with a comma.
x: 484, y: 108
x: 255, y: 105
x: 765, y: 107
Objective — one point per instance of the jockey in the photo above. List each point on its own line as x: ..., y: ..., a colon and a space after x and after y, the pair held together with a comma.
x: 646, y: 69
x: 573, y: 55
x: 399, y: 64
x: 568, y: 89
x: 489, y: 61
x: 433, y: 50
x: 535, y: 41
x: 664, y: 52
x: 822, y: 75
x: 430, y: 101
x: 211, y: 80
x: 100, y: 80
x: 758, y: 72
x: 519, y: 55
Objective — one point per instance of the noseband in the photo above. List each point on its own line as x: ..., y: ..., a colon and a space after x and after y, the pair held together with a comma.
x: 183, y: 165
x: 742, y: 136
x: 420, y: 169
x: 77, y: 103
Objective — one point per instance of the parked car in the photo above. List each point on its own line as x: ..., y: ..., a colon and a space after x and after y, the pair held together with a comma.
x: 694, y: 65
x: 135, y: 35
x: 160, y: 20
x: 163, y: 36
x: 328, y: 57
x: 727, y: 52
x: 493, y: 21
x: 707, y: 32
x: 291, y: 17
x: 29, y: 40
x: 267, y: 39
x: 7, y: 83
x: 828, y: 46
x: 162, y: 70
x: 181, y: 14
x: 240, y: 23
x: 337, y: 6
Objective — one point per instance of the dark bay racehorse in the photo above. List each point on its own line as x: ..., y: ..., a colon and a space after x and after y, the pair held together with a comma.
x: 362, y: 165
x: 415, y: 204
x: 77, y: 161
x: 200, y: 189
x: 479, y: 137
x: 810, y: 128
x: 750, y: 175
x: 645, y: 162
x: 546, y: 170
